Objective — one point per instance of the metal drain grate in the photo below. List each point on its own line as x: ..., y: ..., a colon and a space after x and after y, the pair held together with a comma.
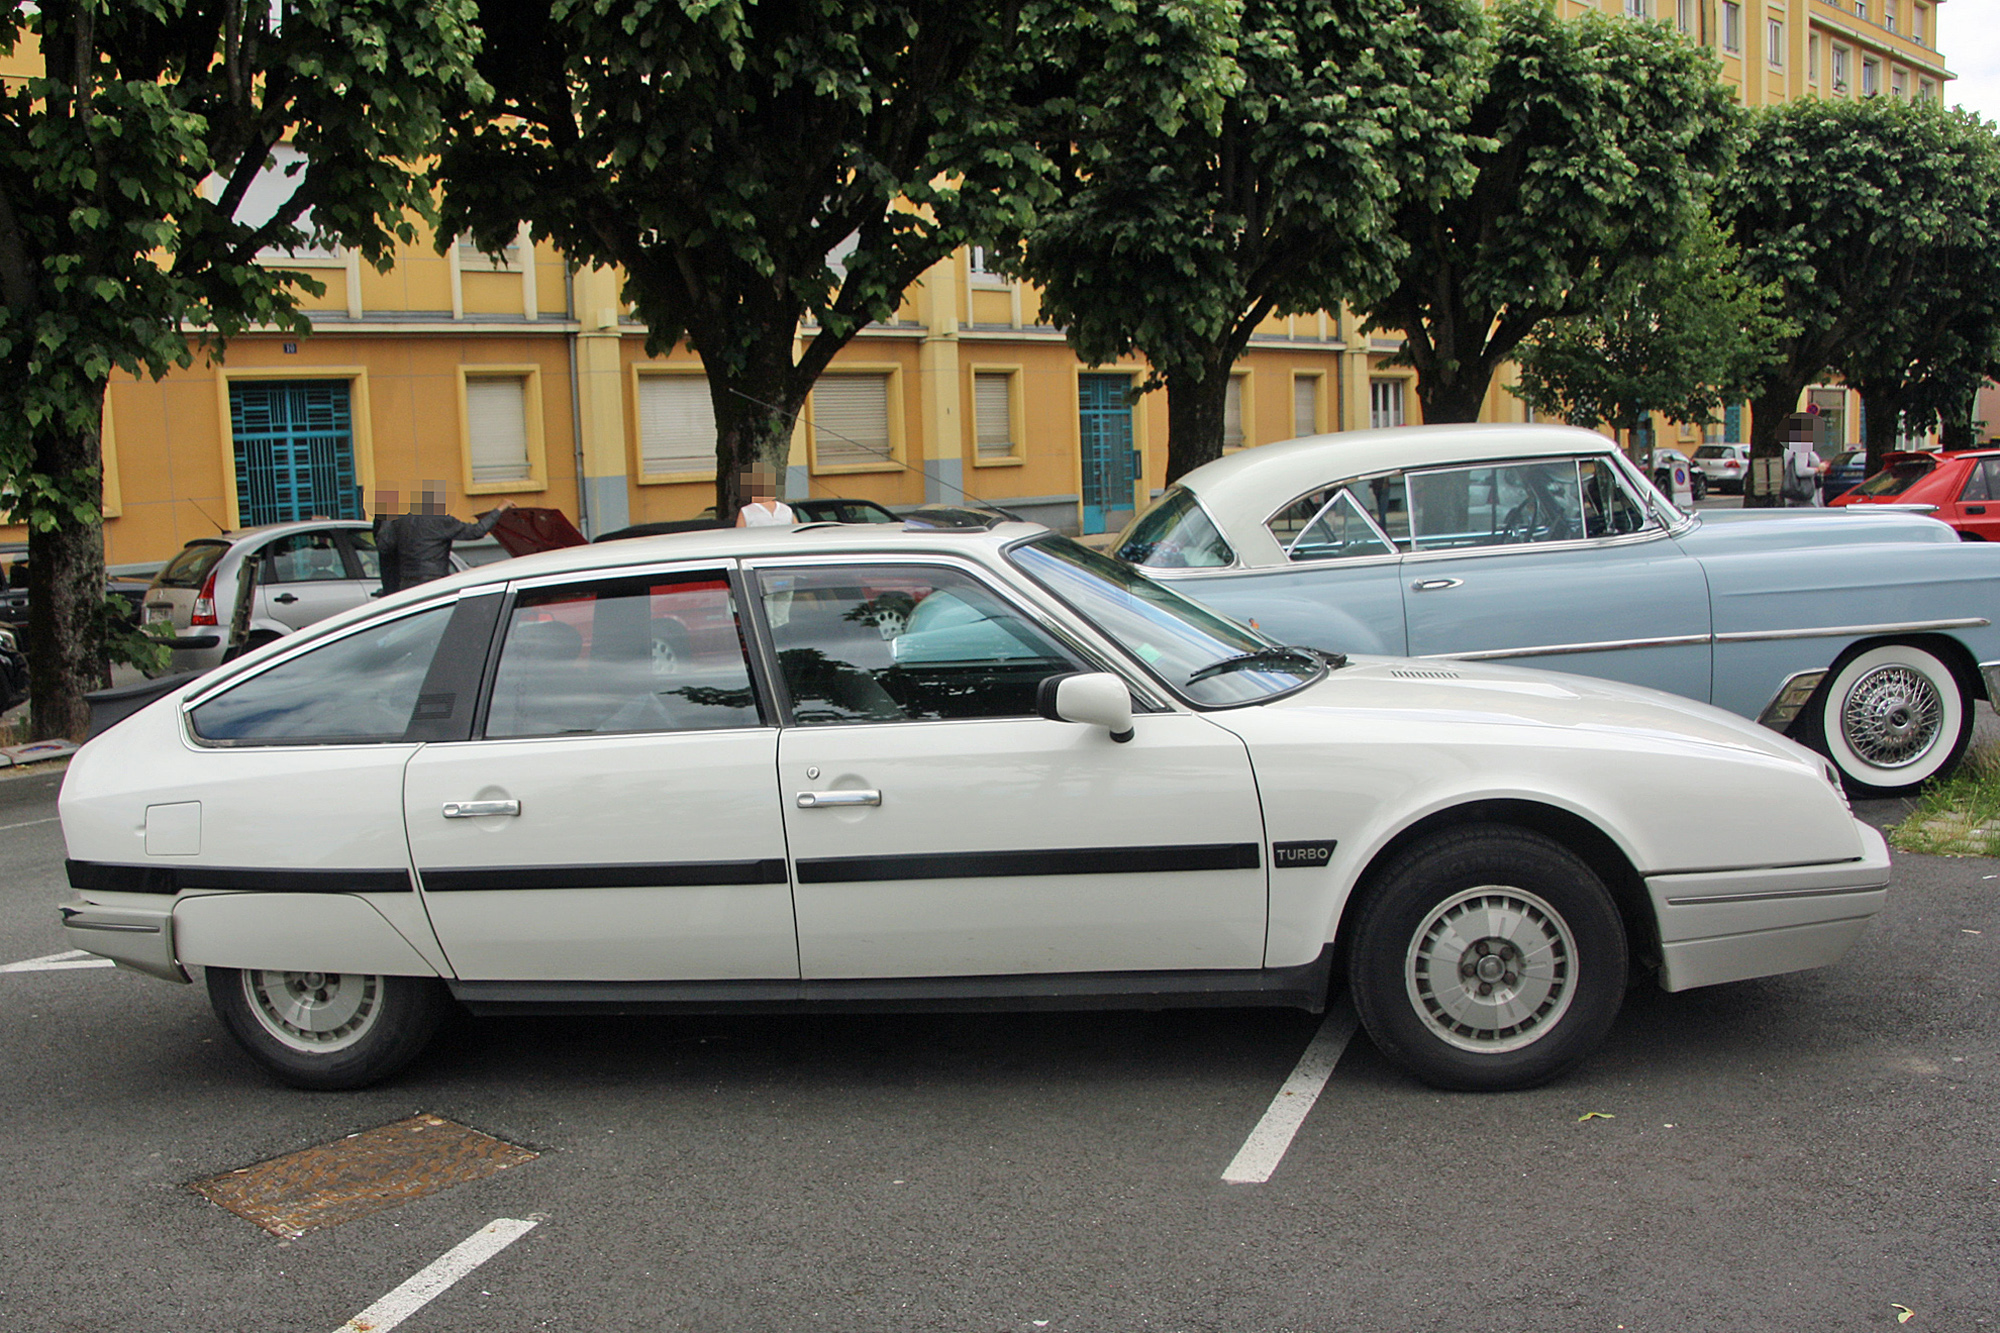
x: 358, y: 1175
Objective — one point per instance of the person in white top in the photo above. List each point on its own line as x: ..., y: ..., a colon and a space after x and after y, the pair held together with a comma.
x: 764, y: 509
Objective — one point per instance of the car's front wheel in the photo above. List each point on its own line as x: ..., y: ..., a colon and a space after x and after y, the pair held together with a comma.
x: 326, y: 1030
x: 1891, y: 719
x: 1487, y: 958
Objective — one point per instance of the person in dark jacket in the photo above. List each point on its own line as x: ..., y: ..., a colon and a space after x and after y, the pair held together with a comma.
x: 416, y: 547
x: 385, y: 515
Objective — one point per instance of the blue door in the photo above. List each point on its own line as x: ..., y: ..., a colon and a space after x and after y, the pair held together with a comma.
x: 1110, y: 463
x: 294, y: 442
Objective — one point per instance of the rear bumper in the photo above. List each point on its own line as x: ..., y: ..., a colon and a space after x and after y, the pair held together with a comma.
x: 1728, y: 925
x: 137, y: 937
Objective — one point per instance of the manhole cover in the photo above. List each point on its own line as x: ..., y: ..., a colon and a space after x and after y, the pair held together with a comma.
x: 358, y: 1175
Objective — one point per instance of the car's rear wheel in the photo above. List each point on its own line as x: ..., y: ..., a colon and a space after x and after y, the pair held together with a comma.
x: 1891, y: 719
x: 326, y: 1030
x: 1487, y: 958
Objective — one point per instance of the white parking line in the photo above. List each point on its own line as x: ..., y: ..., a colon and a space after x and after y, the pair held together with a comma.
x: 58, y: 962
x: 433, y: 1280
x: 1265, y: 1148
x: 30, y: 824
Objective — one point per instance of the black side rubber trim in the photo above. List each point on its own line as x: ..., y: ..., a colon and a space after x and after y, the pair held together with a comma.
x: 1061, y: 861
x: 673, y: 874
x: 1302, y: 987
x: 106, y: 877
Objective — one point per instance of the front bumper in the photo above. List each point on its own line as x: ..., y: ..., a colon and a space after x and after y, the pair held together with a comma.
x: 1728, y: 925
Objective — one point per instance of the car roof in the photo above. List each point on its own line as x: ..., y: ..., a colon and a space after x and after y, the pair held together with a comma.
x: 1242, y: 489
x: 235, y: 535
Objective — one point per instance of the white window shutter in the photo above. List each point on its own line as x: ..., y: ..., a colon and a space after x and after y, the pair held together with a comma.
x: 1305, y: 405
x: 676, y: 425
x: 1232, y: 414
x: 993, y: 414
x: 851, y: 420
x: 496, y: 418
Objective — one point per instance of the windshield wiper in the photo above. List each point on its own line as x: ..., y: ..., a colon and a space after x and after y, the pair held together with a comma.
x: 1268, y: 656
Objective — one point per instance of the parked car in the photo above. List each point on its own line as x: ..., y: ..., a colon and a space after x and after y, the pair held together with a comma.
x: 307, y: 571
x: 1842, y: 473
x: 1865, y: 636
x: 13, y: 670
x: 1962, y: 488
x: 1665, y: 461
x: 14, y: 587
x: 1723, y: 466
x: 1062, y: 784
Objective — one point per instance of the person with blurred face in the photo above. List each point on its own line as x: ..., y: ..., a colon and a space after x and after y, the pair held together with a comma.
x: 417, y: 545
x: 762, y: 508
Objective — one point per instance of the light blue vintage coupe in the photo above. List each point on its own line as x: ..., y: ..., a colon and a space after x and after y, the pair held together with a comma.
x: 1867, y: 636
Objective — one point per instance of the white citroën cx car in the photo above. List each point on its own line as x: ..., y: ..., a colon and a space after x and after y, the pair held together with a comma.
x: 702, y: 771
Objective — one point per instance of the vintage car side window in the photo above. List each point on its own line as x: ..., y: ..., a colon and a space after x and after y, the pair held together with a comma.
x: 903, y: 643
x: 1175, y: 534
x: 303, y: 557
x: 360, y: 687
x: 653, y: 652
x: 1609, y: 507
x: 1516, y: 503
x: 1341, y: 531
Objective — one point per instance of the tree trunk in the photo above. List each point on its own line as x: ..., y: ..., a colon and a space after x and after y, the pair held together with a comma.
x: 1197, y: 402
x: 1957, y: 427
x: 1455, y: 398
x: 1769, y: 412
x: 756, y: 408
x: 65, y: 598
x: 1881, y: 413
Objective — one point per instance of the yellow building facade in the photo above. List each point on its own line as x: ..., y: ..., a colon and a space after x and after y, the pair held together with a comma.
x: 518, y: 379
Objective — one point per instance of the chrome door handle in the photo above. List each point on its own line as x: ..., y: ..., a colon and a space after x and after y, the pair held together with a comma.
x: 480, y: 809
x: 813, y: 800
x: 1435, y: 585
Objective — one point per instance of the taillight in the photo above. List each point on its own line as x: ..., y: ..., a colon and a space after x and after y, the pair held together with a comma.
x: 204, y: 602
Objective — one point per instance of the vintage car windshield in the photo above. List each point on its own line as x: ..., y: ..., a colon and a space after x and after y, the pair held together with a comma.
x: 1175, y: 534
x: 1200, y: 655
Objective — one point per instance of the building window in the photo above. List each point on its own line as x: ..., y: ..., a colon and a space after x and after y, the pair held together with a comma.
x: 851, y: 421
x: 1889, y: 14
x: 1861, y: 9
x: 979, y: 265
x: 1917, y: 25
x: 1840, y: 61
x: 676, y: 425
x: 496, y: 429
x: 1232, y: 414
x: 1926, y: 90
x: 1732, y: 26
x: 1812, y: 57
x: 1774, y: 43
x: 470, y: 256
x: 993, y: 415
x: 1871, y: 77
x: 1305, y: 404
x: 273, y: 187
x: 1637, y: 9
x: 1684, y: 15
x: 1899, y: 84
x: 1385, y: 403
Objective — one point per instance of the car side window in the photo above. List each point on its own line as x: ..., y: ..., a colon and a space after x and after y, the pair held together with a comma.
x: 903, y: 643
x: 1175, y: 534
x: 1609, y: 507
x: 303, y: 557
x: 1340, y: 531
x: 365, y: 554
x: 655, y: 652
x: 1513, y: 504
x: 360, y: 687
x: 1978, y: 484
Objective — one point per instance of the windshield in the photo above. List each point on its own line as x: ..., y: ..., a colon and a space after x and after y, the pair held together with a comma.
x: 1896, y: 478
x: 1203, y: 657
x: 1175, y: 534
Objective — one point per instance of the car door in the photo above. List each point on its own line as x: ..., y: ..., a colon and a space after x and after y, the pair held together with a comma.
x: 940, y: 828
x: 1975, y: 510
x: 615, y: 817
x: 1553, y: 563
x: 303, y: 577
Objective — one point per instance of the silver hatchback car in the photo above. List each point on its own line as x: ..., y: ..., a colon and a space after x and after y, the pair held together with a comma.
x: 305, y: 572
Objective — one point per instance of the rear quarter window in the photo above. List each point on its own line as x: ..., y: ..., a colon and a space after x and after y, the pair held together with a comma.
x: 191, y: 565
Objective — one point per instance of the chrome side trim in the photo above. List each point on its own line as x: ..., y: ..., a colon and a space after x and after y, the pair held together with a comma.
x: 1853, y: 631
x: 1561, y: 649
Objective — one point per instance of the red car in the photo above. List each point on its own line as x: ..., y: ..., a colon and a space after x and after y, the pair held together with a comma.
x: 1963, y: 488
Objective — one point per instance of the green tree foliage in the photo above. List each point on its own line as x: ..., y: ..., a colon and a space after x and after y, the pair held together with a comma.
x: 122, y: 168
x: 724, y: 154
x: 1176, y: 237
x: 1596, y: 140
x: 1689, y: 337
x: 1874, y: 219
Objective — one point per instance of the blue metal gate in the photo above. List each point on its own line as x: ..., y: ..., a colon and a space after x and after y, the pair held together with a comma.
x: 1110, y: 463
x: 294, y: 444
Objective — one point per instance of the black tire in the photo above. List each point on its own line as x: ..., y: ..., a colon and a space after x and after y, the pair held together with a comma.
x: 1698, y: 486
x: 1891, y: 718
x: 327, y: 1030
x: 891, y: 614
x: 1547, y: 979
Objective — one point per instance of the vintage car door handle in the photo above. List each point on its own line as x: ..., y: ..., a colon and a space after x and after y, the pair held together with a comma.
x: 480, y: 809
x: 813, y: 800
x: 1435, y: 585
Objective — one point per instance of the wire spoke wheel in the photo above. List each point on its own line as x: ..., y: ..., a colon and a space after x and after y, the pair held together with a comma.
x: 1892, y: 716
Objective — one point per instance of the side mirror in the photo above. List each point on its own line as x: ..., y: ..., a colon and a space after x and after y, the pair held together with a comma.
x: 1096, y: 697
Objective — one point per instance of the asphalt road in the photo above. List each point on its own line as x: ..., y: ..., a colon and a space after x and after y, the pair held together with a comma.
x: 1799, y: 1153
